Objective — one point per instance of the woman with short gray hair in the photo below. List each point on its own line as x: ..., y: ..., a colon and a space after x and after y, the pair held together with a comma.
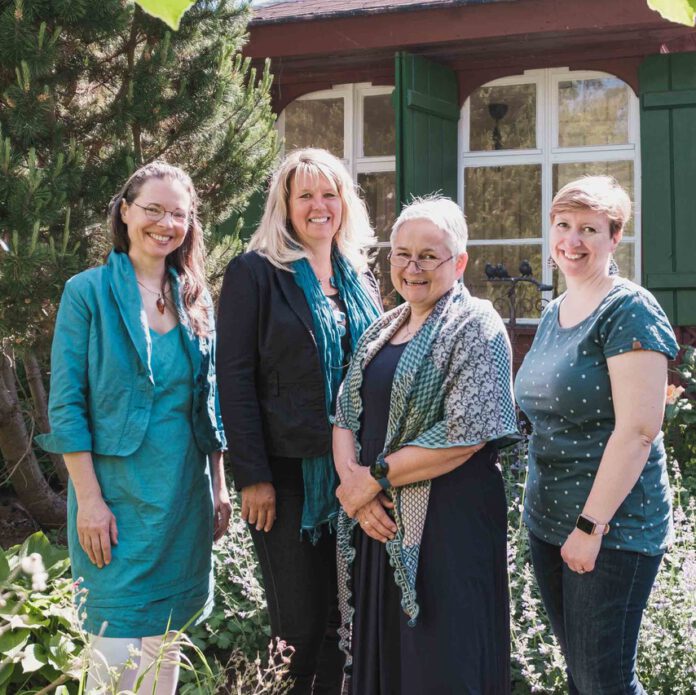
x: 426, y: 403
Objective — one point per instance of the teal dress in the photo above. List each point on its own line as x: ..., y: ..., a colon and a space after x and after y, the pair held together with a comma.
x: 160, y: 574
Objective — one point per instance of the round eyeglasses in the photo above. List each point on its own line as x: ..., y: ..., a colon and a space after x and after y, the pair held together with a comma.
x: 421, y: 264
x: 156, y: 212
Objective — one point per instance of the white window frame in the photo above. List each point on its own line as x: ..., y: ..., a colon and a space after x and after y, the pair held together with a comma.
x: 353, y: 96
x: 547, y: 153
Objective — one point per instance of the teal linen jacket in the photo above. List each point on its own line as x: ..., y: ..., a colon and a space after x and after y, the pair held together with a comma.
x: 102, y: 386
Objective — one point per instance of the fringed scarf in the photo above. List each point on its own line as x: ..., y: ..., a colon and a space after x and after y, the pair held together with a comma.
x: 452, y: 387
x: 320, y: 479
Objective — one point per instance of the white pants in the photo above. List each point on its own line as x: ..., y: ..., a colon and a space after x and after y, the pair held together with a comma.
x: 153, y: 667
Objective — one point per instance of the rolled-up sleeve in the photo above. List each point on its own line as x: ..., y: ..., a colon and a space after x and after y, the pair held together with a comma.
x: 67, y: 408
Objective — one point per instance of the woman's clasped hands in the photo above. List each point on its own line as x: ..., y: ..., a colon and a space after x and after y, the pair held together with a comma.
x: 362, y: 498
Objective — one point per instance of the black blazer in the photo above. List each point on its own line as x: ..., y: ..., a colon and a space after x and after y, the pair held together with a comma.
x: 270, y: 380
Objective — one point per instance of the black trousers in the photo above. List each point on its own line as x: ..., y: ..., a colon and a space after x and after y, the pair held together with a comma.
x: 301, y: 590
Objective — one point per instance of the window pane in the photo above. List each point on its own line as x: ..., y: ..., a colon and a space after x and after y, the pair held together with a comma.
x: 621, y: 171
x: 503, y: 118
x: 503, y: 202
x: 379, y: 193
x: 315, y: 123
x: 379, y: 138
x: 380, y: 268
x: 593, y: 112
x: 625, y: 259
x: 528, y: 298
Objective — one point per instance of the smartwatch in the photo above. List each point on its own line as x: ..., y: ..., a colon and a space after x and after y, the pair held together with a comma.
x: 589, y: 526
x: 379, y: 470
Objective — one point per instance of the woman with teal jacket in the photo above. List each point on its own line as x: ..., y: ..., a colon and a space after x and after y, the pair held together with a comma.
x: 133, y: 409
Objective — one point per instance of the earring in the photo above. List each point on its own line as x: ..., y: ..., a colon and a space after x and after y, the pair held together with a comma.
x: 550, y: 263
x: 613, y: 266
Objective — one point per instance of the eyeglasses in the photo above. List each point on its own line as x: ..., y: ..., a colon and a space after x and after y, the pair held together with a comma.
x: 156, y: 212
x: 421, y: 264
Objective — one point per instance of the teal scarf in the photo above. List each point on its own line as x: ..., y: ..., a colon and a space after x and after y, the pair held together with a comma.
x: 320, y: 479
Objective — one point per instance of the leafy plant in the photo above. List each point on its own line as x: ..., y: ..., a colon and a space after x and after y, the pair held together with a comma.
x: 169, y: 11
x: 39, y: 643
x: 239, y: 623
x: 666, y: 659
x: 680, y: 419
x: 680, y: 11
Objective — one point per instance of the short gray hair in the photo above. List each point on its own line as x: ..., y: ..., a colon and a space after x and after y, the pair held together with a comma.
x: 444, y: 213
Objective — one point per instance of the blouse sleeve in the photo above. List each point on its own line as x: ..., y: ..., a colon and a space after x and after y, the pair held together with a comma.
x: 638, y: 323
x: 67, y: 406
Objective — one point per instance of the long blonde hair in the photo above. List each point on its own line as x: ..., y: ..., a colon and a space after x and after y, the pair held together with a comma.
x: 276, y: 239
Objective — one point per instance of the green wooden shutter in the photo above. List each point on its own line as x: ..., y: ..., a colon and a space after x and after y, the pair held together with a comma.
x: 668, y: 151
x: 426, y: 99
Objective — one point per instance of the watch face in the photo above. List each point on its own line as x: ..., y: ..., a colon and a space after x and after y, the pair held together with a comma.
x: 379, y: 469
x: 585, y: 525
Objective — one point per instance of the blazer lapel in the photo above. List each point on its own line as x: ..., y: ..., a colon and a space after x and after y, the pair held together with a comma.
x: 193, y: 342
x: 124, y: 287
x: 296, y: 299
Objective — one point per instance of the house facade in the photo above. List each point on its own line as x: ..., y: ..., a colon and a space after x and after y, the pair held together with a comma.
x: 497, y: 104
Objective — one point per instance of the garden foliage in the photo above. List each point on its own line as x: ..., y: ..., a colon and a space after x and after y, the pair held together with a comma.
x: 88, y: 92
x: 230, y: 652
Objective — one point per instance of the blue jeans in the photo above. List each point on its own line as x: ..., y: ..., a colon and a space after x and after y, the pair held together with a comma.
x: 596, y: 616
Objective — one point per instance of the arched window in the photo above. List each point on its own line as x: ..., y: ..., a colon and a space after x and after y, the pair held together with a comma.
x: 521, y: 139
x: 355, y: 122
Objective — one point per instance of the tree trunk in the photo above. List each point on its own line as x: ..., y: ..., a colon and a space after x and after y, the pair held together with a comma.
x: 38, y: 395
x: 21, y: 467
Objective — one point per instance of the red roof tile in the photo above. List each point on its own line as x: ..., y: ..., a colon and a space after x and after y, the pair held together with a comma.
x: 307, y: 10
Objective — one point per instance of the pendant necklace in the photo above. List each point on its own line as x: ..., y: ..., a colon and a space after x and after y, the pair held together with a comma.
x: 160, y: 302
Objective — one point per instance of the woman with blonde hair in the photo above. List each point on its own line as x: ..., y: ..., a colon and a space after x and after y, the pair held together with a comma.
x: 291, y: 311
x: 597, y: 502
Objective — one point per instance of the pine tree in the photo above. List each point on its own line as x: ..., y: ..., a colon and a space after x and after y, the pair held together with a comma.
x: 88, y: 92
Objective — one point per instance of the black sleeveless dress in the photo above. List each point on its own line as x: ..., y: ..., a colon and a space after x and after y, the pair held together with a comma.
x: 461, y: 642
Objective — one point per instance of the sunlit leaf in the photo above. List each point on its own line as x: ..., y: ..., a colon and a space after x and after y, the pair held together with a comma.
x: 13, y: 639
x: 680, y: 11
x: 169, y: 11
x: 34, y: 658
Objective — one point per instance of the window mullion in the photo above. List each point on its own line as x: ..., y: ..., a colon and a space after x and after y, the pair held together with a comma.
x: 549, y: 101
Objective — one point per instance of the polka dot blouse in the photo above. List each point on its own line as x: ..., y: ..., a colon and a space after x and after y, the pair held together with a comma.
x: 563, y: 387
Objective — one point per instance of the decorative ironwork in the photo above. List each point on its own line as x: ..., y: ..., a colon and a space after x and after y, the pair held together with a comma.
x: 516, y: 305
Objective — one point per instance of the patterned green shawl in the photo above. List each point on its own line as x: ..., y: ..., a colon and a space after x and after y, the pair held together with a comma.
x: 452, y: 387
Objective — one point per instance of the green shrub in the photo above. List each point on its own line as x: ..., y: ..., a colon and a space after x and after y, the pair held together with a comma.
x: 39, y: 643
x: 680, y: 420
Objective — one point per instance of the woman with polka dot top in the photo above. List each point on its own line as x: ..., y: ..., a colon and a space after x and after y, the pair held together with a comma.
x: 597, y: 503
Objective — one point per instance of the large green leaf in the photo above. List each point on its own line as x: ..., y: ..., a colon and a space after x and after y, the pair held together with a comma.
x: 169, y: 11
x: 4, y: 567
x: 680, y: 11
x: 50, y: 554
x: 13, y: 639
x: 34, y: 658
x: 5, y: 672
